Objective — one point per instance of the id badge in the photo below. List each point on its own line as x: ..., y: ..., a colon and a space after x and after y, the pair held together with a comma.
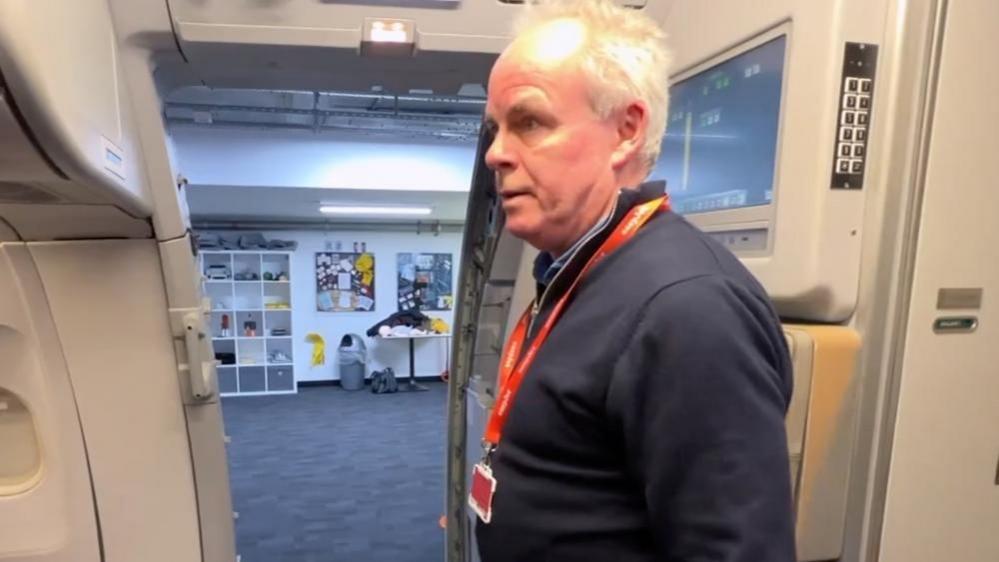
x: 480, y: 499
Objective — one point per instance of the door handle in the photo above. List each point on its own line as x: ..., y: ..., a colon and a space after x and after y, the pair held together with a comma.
x: 201, y: 372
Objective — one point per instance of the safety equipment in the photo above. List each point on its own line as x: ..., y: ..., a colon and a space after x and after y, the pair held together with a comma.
x: 318, y: 348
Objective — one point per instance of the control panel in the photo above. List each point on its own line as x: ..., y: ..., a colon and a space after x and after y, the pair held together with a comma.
x: 854, y: 117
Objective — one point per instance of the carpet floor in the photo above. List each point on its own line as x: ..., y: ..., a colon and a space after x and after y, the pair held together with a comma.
x: 329, y: 475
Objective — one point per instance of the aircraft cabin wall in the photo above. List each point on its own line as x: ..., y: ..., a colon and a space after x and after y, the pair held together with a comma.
x: 94, y: 377
x: 805, y: 242
x: 75, y: 100
x: 310, y: 45
x: 941, y: 485
x: 67, y: 124
x: 871, y: 256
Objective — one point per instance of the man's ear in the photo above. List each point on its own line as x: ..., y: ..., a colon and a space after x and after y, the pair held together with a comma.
x: 632, y: 122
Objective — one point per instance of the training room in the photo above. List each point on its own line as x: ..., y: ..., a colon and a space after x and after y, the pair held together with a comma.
x: 329, y: 230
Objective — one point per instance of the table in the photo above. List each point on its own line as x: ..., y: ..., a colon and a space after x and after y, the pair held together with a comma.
x: 412, y: 386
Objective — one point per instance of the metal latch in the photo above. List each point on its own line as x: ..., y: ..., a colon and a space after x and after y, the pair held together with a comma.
x: 196, y: 365
x: 202, y: 373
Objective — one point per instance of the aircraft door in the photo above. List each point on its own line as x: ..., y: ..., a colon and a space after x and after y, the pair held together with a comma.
x: 47, y: 511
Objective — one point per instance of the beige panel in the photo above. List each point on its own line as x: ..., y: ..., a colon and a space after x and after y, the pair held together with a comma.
x: 943, y: 499
x: 458, y: 26
x: 46, y: 502
x: 146, y: 40
x: 60, y: 222
x: 204, y: 419
x: 60, y: 62
x: 813, y: 270
x: 109, y: 306
x: 802, y: 349
x: 828, y: 442
x: 7, y: 233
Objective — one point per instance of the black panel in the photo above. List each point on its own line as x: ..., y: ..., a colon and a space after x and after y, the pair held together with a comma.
x: 856, y: 91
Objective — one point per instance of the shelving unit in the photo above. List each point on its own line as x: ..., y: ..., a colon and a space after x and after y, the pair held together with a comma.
x: 254, y: 360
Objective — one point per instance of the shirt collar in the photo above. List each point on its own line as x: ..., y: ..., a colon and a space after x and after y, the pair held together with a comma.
x: 547, y: 266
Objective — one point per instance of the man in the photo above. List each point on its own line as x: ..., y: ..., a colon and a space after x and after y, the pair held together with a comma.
x: 648, y: 423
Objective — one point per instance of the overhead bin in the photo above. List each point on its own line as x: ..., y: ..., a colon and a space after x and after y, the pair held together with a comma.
x: 316, y: 44
x: 64, y: 114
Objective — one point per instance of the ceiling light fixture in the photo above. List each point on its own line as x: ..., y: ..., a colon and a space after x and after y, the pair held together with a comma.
x: 388, y: 37
x: 374, y: 210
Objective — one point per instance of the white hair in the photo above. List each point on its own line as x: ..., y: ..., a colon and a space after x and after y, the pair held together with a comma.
x: 625, y: 57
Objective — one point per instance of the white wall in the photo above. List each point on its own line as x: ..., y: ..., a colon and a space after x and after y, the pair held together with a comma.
x: 241, y: 157
x: 431, y: 354
x: 942, y: 496
x: 289, y: 158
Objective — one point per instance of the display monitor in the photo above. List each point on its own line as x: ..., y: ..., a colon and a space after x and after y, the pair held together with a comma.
x: 721, y: 144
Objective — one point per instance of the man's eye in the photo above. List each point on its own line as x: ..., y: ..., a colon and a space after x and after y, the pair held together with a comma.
x: 529, y: 123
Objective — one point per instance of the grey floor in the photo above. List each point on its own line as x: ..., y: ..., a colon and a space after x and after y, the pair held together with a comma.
x: 334, y: 476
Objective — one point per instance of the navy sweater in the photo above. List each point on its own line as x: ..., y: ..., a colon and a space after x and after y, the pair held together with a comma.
x: 651, y: 424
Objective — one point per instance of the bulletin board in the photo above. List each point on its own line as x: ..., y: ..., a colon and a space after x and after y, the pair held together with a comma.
x: 425, y: 281
x: 345, y: 282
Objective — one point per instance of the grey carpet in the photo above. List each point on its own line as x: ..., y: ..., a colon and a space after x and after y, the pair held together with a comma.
x: 329, y: 475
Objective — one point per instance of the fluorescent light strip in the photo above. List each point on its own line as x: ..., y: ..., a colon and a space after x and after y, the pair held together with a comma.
x: 374, y: 210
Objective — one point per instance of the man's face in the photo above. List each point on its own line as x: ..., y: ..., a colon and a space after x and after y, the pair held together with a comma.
x: 552, y: 152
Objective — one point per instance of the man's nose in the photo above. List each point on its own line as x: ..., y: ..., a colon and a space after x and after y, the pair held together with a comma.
x: 499, y: 157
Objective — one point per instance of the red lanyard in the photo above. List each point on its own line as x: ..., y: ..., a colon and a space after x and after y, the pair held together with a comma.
x: 511, y: 372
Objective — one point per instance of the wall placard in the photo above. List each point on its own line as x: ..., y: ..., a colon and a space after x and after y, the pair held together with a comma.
x: 345, y: 282
x: 425, y: 281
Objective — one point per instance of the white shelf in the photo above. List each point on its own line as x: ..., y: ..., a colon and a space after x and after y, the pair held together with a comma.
x: 253, y: 292
x: 262, y: 393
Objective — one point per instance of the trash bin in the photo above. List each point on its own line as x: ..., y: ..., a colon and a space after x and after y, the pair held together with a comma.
x: 352, y: 356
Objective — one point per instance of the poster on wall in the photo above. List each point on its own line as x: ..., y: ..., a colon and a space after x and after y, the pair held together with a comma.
x: 425, y: 282
x: 345, y: 282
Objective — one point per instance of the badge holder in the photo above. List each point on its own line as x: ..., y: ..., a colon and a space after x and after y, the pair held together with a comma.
x: 480, y: 499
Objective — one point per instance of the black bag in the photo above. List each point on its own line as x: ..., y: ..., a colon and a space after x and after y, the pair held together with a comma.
x: 383, y: 382
x: 411, y: 318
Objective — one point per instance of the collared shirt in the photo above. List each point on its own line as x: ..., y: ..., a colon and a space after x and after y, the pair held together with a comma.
x: 547, y: 266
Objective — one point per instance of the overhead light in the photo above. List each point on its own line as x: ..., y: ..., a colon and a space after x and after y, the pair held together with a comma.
x: 389, y: 32
x: 374, y: 210
x: 388, y: 37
